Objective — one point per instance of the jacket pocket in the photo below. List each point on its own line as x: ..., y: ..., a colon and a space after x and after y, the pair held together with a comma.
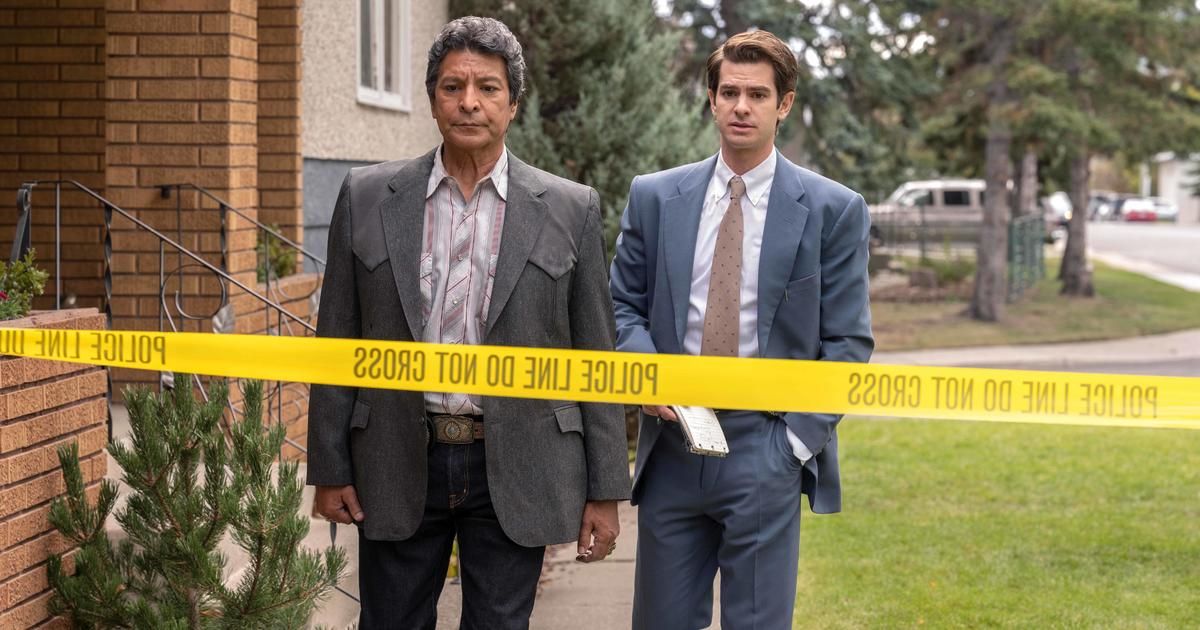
x: 361, y: 415
x: 570, y: 418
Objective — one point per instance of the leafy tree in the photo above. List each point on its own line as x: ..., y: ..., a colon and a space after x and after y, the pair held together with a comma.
x: 603, y: 103
x: 168, y: 572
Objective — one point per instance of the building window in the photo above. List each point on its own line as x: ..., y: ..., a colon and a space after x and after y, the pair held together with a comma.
x: 384, y: 64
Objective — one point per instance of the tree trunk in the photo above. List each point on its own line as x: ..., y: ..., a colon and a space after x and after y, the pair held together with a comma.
x: 991, y: 259
x: 1076, y: 273
x: 734, y: 22
x: 1027, y: 204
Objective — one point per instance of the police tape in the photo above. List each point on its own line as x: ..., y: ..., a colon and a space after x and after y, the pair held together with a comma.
x: 619, y: 377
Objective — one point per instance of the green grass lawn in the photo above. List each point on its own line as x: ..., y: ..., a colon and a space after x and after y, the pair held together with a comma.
x: 1126, y: 305
x: 967, y: 525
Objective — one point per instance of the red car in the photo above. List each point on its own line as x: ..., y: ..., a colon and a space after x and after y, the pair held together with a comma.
x: 1139, y: 210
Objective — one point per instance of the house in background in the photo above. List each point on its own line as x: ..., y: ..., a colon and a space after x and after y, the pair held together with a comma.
x: 363, y: 94
x: 265, y: 104
x: 1177, y: 181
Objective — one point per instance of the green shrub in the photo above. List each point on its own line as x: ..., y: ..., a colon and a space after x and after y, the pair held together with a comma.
x: 20, y: 282
x: 950, y: 271
x: 275, y: 255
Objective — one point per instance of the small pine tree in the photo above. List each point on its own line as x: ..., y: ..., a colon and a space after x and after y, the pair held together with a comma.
x: 168, y: 572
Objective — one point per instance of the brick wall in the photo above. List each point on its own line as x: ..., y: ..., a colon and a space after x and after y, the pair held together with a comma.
x: 182, y: 109
x: 279, y: 161
x: 52, y: 69
x: 43, y: 405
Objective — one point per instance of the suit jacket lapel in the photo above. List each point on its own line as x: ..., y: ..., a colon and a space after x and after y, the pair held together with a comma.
x: 786, y: 217
x: 403, y: 218
x: 681, y: 223
x: 524, y: 216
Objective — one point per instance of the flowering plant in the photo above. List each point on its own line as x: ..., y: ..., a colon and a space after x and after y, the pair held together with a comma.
x: 20, y: 282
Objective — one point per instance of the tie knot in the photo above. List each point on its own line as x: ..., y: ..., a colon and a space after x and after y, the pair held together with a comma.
x: 737, y: 187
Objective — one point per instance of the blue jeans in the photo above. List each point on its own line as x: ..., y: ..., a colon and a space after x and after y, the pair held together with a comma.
x: 399, y: 582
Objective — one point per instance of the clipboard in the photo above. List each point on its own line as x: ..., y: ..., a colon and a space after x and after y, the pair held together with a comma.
x: 702, y: 430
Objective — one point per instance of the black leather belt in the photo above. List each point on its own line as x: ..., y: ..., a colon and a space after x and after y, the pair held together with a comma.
x: 451, y: 429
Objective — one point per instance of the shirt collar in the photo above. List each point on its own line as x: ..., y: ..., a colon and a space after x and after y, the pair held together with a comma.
x: 498, y: 175
x: 758, y: 179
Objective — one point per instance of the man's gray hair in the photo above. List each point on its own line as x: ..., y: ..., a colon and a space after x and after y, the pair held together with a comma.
x: 482, y: 35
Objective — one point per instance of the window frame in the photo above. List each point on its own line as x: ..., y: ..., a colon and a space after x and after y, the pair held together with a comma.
x: 401, y: 99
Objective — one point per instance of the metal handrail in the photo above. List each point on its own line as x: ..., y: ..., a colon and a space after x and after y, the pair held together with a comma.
x: 227, y: 207
x: 24, y: 199
x: 22, y: 242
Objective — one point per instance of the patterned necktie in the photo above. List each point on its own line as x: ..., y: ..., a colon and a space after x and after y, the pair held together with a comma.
x: 721, y: 315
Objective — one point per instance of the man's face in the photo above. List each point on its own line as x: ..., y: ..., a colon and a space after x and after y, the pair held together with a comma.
x: 746, y: 106
x: 471, y: 101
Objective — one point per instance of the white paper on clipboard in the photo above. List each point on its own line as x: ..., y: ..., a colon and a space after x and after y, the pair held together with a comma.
x: 702, y: 430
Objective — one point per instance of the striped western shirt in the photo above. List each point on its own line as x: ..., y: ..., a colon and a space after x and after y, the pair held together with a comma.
x: 446, y: 213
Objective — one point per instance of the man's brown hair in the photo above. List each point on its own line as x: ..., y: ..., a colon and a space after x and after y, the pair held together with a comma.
x: 752, y: 47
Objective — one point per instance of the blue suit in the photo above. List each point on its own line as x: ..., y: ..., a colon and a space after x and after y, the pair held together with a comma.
x: 812, y: 304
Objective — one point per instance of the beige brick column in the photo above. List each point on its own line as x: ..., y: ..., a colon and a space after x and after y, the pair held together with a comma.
x: 182, y: 109
x: 52, y: 127
x: 279, y: 160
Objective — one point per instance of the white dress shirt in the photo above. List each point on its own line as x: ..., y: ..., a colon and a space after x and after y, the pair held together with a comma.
x: 758, y: 182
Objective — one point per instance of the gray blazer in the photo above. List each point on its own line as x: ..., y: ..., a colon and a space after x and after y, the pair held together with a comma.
x: 812, y: 288
x: 544, y: 458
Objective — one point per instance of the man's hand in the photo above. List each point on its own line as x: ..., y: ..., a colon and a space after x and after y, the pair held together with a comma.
x: 338, y: 504
x: 598, y: 531
x: 660, y: 411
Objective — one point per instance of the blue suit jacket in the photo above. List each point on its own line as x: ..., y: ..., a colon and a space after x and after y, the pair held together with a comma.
x: 812, y: 300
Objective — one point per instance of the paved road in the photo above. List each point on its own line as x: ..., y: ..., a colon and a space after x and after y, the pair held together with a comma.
x: 1165, y: 251
x: 1180, y: 367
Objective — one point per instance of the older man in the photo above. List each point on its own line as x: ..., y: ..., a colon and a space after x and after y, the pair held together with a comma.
x: 466, y: 245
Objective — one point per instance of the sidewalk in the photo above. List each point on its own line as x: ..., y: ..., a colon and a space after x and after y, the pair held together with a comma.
x: 1177, y: 346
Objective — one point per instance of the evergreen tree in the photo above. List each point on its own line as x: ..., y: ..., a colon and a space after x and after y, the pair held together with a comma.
x: 603, y: 104
x: 167, y: 573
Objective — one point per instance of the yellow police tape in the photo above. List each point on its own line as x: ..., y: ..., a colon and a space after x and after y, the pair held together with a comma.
x: 618, y: 377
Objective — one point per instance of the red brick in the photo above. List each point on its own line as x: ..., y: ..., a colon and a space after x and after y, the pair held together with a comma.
x: 56, y: 17
x: 152, y: 112
x: 28, y: 35
x: 56, y: 54
x: 184, y: 134
x: 184, y: 5
x: 122, y: 45
x: 279, y: 36
x: 230, y: 23
x: 152, y: 67
x: 279, y: 54
x: 227, y: 111
x: 80, y: 90
x: 81, y: 36
x: 121, y: 132
x: 30, y: 145
x: 27, y: 614
x: 29, y: 109
x: 94, y: 72
x: 25, y: 526
x: 26, y: 72
x: 82, y: 145
x: 152, y: 23
x: 83, y: 109
x: 27, y: 585
x: 76, y: 127
x: 155, y: 155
